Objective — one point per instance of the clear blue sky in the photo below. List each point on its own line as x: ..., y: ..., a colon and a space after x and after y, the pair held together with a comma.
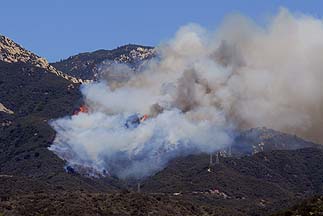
x: 56, y: 29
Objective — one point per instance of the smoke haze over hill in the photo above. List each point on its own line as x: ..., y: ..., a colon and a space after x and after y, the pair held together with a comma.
x: 202, y: 86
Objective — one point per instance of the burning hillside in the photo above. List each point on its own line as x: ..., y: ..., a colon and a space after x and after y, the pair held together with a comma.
x: 199, y: 89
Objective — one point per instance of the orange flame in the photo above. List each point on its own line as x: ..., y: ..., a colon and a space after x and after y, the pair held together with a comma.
x: 144, y: 118
x: 81, y: 109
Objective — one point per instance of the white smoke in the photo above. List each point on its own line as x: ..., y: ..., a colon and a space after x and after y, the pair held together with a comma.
x: 201, y: 85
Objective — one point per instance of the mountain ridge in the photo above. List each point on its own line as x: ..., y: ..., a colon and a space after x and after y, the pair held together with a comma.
x: 86, y: 65
x: 12, y: 52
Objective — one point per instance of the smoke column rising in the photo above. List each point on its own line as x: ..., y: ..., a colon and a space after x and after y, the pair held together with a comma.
x: 202, y: 86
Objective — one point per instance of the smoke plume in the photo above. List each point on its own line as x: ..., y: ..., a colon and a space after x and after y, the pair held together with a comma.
x: 202, y: 85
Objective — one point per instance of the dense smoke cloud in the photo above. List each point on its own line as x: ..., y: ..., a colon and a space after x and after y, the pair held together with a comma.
x: 201, y: 87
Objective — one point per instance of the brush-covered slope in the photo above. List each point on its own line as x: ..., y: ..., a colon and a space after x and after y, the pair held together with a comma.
x: 309, y: 207
x: 117, y: 204
x: 255, y: 184
x: 86, y: 65
x: 34, y: 96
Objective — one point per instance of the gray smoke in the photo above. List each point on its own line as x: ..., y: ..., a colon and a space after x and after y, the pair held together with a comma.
x: 202, y: 86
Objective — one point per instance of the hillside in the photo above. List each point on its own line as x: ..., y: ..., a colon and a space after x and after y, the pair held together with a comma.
x: 98, y: 204
x: 254, y: 185
x: 312, y: 206
x: 264, y: 182
x: 35, y: 96
x: 272, y: 170
x: 86, y: 65
x: 12, y: 52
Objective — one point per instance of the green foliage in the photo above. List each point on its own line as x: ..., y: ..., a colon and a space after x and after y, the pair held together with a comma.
x: 309, y: 207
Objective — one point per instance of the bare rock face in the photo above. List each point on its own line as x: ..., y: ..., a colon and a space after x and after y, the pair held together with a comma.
x: 5, y: 109
x: 11, y: 52
x: 135, y: 55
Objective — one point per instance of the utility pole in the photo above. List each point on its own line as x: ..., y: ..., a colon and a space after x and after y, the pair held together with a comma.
x: 217, y: 159
x: 229, y: 151
x: 138, y: 187
x: 211, y: 160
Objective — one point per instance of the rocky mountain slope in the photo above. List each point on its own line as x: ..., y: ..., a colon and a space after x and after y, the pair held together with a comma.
x: 86, y: 65
x: 11, y: 52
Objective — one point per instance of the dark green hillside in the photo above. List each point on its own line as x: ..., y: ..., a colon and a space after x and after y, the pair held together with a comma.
x: 35, y: 96
x: 309, y: 207
x: 260, y: 183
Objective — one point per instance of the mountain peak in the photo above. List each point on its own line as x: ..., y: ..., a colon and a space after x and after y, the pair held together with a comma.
x: 86, y: 65
x: 12, y: 52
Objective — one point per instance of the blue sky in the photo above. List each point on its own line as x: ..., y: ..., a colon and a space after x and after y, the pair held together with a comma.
x: 56, y: 29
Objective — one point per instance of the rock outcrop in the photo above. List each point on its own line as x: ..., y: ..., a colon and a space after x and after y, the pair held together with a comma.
x: 12, y: 52
x: 88, y: 66
x: 5, y: 109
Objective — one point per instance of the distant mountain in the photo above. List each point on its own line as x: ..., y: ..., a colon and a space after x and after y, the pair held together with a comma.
x: 256, y: 140
x: 11, y: 52
x: 86, y: 65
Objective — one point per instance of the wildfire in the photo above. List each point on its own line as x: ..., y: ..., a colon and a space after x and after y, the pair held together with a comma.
x: 144, y: 118
x: 81, y: 109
